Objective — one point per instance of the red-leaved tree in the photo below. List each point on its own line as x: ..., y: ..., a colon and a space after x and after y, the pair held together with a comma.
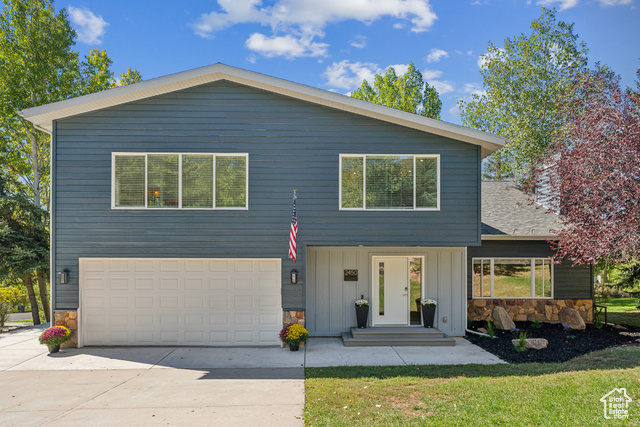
x: 592, y: 171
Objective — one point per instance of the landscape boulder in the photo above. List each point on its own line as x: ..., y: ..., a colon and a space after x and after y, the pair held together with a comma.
x: 501, y: 319
x: 535, y: 343
x: 571, y: 317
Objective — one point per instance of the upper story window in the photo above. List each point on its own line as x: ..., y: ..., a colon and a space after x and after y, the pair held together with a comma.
x: 179, y: 181
x: 389, y: 182
x: 512, y: 278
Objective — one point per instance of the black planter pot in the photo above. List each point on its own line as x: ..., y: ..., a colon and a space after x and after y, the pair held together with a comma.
x: 362, y: 312
x: 54, y: 348
x: 294, y: 347
x: 428, y: 315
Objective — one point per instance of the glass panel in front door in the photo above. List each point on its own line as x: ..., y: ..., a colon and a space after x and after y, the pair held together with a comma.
x: 392, y: 291
x: 415, y: 294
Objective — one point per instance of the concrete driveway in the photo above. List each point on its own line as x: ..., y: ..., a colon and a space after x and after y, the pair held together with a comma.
x: 147, y: 385
x: 180, y: 385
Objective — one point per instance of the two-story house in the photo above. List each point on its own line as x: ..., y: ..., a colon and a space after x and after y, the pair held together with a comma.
x: 171, y: 205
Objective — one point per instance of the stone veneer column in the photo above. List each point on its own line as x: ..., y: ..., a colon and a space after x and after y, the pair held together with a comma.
x: 68, y: 318
x: 521, y: 310
x: 292, y: 317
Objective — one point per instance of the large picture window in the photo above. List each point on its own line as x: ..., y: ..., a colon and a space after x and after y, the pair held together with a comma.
x: 388, y: 182
x: 512, y: 278
x: 179, y: 181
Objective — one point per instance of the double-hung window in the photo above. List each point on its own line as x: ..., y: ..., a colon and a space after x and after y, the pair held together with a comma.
x: 389, y: 182
x: 179, y: 181
x: 512, y: 278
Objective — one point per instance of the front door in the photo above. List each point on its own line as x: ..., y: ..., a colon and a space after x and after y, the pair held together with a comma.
x: 391, y: 290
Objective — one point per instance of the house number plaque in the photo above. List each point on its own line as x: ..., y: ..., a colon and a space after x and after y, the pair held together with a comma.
x: 351, y: 275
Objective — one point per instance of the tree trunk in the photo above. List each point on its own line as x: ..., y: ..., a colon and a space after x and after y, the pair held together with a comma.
x: 35, y: 165
x: 44, y: 297
x: 35, y: 313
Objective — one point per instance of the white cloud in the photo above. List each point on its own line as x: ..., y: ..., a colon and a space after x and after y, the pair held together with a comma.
x: 287, y: 46
x: 454, y: 111
x: 431, y: 74
x: 442, y: 86
x: 90, y: 28
x: 306, y: 19
x: 349, y: 75
x: 564, y: 4
x: 359, y: 41
x: 614, y: 2
x: 474, y: 89
x: 436, y: 55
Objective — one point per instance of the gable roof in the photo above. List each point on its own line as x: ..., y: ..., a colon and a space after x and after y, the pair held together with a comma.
x: 43, y: 116
x: 507, y: 213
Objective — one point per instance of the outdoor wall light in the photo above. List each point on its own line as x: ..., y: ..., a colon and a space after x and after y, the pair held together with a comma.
x: 64, y: 276
x: 294, y: 277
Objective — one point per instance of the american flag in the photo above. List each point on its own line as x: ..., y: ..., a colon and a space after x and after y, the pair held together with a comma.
x: 293, y: 233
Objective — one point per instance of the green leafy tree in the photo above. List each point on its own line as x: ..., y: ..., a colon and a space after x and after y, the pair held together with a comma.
x: 24, y: 243
x: 524, y: 83
x: 38, y: 66
x: 408, y: 92
x: 95, y: 73
x: 129, y: 77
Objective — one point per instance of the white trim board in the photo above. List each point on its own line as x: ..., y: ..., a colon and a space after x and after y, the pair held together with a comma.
x: 43, y: 116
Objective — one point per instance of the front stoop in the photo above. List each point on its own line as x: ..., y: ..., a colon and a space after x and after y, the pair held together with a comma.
x: 396, y: 336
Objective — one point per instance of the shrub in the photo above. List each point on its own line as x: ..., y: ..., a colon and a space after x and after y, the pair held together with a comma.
x: 536, y: 324
x: 13, y: 296
x: 55, y: 335
x: 522, y: 342
x: 490, y: 329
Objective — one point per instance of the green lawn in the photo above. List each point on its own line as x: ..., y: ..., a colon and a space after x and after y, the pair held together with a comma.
x: 622, y: 311
x: 532, y: 394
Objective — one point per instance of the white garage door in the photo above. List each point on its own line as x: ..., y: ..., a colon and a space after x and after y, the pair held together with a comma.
x: 159, y: 301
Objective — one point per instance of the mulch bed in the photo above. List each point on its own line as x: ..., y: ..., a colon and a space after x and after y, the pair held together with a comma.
x: 561, y: 346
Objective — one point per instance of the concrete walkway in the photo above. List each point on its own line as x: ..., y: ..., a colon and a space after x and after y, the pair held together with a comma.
x: 180, y: 385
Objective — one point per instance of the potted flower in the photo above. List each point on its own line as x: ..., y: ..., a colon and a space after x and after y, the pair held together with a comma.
x: 294, y: 335
x: 428, y: 312
x: 54, y: 336
x: 362, y: 312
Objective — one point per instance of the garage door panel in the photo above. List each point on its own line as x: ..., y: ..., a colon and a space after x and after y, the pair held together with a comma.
x: 180, y: 302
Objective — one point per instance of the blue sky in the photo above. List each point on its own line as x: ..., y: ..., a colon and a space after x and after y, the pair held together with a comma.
x: 334, y: 44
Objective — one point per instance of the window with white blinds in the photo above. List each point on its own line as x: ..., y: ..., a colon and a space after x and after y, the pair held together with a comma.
x: 179, y: 181
x: 389, y: 182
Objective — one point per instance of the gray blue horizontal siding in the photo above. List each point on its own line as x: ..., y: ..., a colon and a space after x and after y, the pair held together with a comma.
x: 291, y: 144
x: 569, y: 282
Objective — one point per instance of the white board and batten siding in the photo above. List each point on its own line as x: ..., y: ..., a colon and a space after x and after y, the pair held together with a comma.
x: 180, y: 301
x: 330, y: 299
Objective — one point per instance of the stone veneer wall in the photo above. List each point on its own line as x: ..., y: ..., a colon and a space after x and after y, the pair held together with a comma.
x: 68, y: 318
x: 292, y: 317
x: 520, y: 310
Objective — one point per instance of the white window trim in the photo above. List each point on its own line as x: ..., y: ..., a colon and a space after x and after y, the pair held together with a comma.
x: 532, y: 263
x: 364, y: 183
x: 146, y: 203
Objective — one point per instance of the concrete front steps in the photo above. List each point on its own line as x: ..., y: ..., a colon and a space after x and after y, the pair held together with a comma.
x: 396, y: 336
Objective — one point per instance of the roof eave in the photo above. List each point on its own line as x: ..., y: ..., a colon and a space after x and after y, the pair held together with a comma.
x: 519, y: 237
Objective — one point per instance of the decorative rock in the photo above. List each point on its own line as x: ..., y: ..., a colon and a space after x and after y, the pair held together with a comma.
x: 535, y: 343
x: 501, y: 319
x: 482, y: 330
x: 571, y: 317
x: 620, y: 327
